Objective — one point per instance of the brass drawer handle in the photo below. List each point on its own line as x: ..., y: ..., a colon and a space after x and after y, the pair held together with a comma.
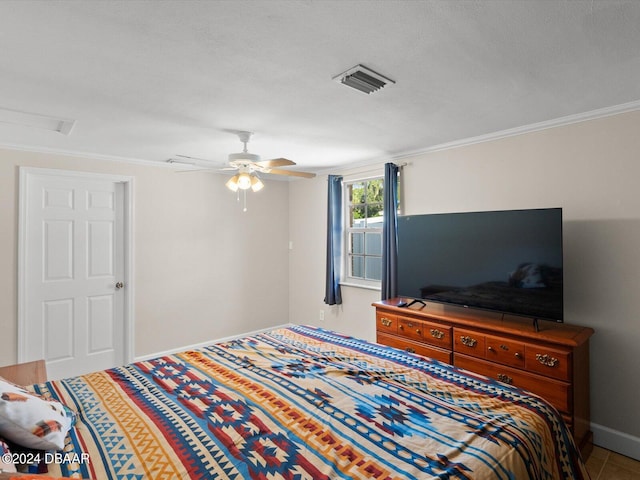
x: 410, y: 350
x: 418, y: 331
x: 505, y: 378
x: 435, y: 333
x: 547, y: 360
x: 386, y: 322
x: 517, y: 355
x: 468, y: 341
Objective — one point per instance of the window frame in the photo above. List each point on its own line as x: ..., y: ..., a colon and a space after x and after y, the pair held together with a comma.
x: 346, y: 277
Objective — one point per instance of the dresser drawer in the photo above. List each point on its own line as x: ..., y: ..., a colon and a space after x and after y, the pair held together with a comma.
x: 386, y: 322
x: 555, y: 392
x: 507, y: 352
x: 437, y: 334
x: 415, y: 347
x: 410, y: 328
x: 469, y: 342
x: 548, y: 362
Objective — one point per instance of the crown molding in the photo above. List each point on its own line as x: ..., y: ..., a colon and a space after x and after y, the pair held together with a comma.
x: 524, y: 129
x: 511, y: 132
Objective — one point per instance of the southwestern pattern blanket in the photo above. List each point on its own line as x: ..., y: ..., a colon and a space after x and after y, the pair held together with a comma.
x: 303, y: 402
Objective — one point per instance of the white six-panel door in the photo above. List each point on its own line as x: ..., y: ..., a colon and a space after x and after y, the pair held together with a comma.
x: 73, y: 273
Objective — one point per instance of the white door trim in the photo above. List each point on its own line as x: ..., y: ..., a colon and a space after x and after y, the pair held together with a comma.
x: 129, y: 311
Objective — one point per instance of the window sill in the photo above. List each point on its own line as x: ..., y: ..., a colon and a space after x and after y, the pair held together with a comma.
x: 360, y: 285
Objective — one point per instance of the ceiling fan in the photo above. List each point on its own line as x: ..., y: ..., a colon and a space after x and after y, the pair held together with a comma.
x: 248, y: 165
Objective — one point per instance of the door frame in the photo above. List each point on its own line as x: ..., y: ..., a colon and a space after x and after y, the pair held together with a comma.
x: 25, y: 173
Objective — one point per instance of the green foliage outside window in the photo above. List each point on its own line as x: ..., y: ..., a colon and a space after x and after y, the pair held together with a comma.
x: 364, y: 229
x: 366, y: 199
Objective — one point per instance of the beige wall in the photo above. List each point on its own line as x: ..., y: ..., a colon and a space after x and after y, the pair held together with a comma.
x: 591, y: 169
x: 203, y: 269
x: 307, y: 219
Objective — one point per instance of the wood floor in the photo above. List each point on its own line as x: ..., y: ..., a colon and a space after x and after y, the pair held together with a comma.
x: 606, y: 465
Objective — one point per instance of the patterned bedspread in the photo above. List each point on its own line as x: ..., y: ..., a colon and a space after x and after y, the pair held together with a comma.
x: 305, y: 403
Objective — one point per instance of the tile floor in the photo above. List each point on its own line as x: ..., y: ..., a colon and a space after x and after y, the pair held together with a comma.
x: 606, y: 465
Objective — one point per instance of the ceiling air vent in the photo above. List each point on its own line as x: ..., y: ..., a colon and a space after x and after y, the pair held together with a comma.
x: 35, y: 120
x: 363, y: 79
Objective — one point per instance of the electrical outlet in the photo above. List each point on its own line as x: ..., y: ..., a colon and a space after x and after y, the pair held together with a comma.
x: 321, y: 317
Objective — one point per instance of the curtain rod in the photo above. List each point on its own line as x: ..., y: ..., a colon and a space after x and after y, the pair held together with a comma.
x: 377, y: 170
x: 362, y: 174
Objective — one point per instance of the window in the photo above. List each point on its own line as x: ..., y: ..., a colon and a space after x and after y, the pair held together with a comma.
x: 363, y: 231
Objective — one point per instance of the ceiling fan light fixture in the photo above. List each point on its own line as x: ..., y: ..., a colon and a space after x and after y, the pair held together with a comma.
x: 232, y: 183
x: 256, y: 184
x: 244, y: 181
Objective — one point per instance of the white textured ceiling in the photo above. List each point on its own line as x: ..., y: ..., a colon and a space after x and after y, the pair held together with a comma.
x: 152, y: 79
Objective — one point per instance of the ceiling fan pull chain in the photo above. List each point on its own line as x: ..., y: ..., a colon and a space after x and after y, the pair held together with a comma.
x: 245, y: 200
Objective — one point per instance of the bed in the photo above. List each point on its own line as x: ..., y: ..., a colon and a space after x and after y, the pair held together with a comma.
x: 305, y: 403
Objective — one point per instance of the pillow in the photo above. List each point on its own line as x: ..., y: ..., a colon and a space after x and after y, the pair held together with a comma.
x: 6, y: 463
x: 31, y: 421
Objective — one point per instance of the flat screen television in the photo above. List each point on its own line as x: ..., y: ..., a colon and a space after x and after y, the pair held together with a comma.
x: 507, y: 261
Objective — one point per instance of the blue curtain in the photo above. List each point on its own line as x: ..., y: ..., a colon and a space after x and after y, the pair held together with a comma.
x: 390, y: 233
x: 334, y: 241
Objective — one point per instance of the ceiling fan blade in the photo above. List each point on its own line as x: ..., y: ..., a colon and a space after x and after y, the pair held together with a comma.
x: 276, y: 162
x: 291, y: 173
x: 192, y: 170
x: 195, y: 158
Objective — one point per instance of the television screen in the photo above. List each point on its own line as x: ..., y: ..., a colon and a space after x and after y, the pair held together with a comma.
x: 507, y: 261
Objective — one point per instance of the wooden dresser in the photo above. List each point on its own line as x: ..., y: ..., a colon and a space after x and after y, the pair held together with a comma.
x: 25, y: 373
x: 552, y: 362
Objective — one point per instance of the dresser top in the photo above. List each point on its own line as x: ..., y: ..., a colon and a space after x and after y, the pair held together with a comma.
x: 491, y: 322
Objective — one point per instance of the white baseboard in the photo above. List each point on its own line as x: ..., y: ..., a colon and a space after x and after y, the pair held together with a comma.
x: 209, y: 342
x: 616, y: 441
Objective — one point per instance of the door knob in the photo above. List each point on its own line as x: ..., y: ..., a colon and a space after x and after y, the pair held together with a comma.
x: 119, y: 285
